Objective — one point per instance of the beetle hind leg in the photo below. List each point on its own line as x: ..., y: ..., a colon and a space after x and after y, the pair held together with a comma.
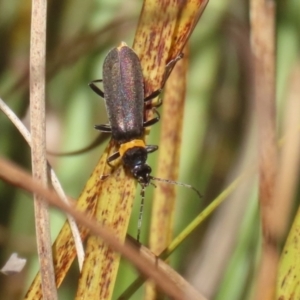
x: 111, y: 158
x: 103, y: 127
x: 154, y: 120
x: 151, y: 148
x: 168, y: 69
x: 97, y: 90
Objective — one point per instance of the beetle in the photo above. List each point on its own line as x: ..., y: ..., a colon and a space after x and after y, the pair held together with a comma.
x: 125, y: 102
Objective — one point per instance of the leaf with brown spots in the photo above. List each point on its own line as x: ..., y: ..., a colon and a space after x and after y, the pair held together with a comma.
x: 63, y: 248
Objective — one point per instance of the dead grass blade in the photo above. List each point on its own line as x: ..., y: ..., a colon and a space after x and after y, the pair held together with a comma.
x: 163, y: 30
x: 63, y: 248
x: 114, y: 210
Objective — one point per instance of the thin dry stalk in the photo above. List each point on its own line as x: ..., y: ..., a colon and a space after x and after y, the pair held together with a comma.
x: 262, y: 15
x: 20, y: 178
x: 38, y: 151
x: 190, y: 292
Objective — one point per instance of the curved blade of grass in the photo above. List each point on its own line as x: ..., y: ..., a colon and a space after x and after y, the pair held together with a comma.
x: 206, y: 213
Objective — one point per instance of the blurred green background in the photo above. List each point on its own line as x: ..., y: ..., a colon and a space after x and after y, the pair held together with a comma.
x: 218, y: 140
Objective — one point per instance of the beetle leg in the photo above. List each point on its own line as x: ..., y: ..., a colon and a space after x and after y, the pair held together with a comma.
x: 95, y: 88
x: 168, y: 69
x: 112, y: 158
x: 103, y: 127
x: 153, y: 95
x: 151, y: 148
x: 154, y: 120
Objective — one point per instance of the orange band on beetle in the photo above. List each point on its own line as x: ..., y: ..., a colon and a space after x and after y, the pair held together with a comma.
x: 134, y: 143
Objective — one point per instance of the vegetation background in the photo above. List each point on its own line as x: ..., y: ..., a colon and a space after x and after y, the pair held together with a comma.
x: 219, y: 138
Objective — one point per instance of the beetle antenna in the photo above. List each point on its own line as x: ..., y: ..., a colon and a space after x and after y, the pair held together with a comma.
x: 141, y: 213
x: 177, y: 183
